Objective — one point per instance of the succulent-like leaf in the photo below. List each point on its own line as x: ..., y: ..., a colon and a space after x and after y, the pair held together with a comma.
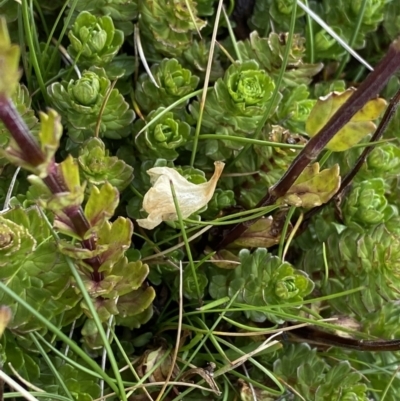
x: 168, y: 28
x: 80, y: 103
x: 97, y: 167
x: 367, y: 258
x: 236, y: 104
x: 295, y: 108
x: 269, y: 51
x: 193, y: 287
x: 77, y: 381
x: 315, y: 380
x: 116, y: 236
x: 222, y: 199
x: 313, y: 188
x: 384, y: 160
x: 163, y: 137
x: 128, y: 276
x: 173, y: 82
x: 367, y: 205
x: 15, y: 243
x: 135, y: 307
x: 94, y: 40
x: 196, y: 57
x: 261, y: 279
x: 356, y: 129
x: 34, y: 270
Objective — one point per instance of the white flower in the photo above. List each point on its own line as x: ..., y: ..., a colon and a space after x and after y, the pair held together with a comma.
x: 159, y: 203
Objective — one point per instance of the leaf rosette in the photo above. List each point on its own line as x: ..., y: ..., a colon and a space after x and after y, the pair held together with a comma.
x: 94, y: 40
x: 236, y: 103
x: 15, y: 242
x: 97, y: 166
x: 367, y: 205
x: 269, y: 53
x: 168, y: 26
x: 310, y: 374
x: 80, y: 103
x: 262, y: 279
x: 367, y: 259
x: 173, y: 83
x: 385, y: 160
x: 163, y: 137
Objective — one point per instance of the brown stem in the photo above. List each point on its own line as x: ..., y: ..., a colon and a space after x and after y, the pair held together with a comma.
x: 368, y: 89
x: 347, y: 180
x: 324, y: 338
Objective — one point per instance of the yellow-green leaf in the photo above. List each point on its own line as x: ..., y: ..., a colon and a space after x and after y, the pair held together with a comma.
x: 357, y: 128
x: 313, y: 188
x: 5, y: 317
x: 9, y: 62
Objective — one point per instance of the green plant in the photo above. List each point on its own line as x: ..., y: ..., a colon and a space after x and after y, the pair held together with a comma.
x: 94, y: 40
x: 201, y: 212
x: 89, y: 105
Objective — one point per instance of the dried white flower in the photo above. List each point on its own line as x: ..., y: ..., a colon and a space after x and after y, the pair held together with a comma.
x: 159, y: 203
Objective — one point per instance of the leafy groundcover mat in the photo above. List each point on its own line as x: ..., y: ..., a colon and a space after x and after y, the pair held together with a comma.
x: 199, y: 200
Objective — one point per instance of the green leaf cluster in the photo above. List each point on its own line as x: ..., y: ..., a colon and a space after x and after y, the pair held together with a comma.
x: 98, y: 167
x: 275, y: 13
x: 315, y: 380
x: 368, y: 259
x: 366, y: 204
x: 235, y: 105
x: 172, y: 82
x: 116, y: 123
x: 94, y: 40
x: 340, y: 16
x: 168, y: 28
x: 33, y: 268
x: 121, y: 12
x: 269, y: 53
x: 262, y: 279
x: 162, y: 138
x: 88, y: 105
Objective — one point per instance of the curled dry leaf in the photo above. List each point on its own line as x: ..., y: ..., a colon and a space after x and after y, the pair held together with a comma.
x: 265, y: 233
x: 156, y: 362
x: 159, y: 203
x: 313, y: 187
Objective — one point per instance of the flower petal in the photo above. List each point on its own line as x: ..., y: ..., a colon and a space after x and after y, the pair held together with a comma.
x: 159, y: 203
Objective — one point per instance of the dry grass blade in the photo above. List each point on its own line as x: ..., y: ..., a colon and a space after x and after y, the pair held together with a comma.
x: 178, y: 335
x: 139, y: 48
x: 17, y: 387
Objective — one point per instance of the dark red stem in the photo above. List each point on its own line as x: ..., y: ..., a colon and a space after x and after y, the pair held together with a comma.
x: 33, y: 155
x: 20, y: 132
x: 368, y: 89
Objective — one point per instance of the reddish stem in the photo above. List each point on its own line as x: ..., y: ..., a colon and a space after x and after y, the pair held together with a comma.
x: 368, y: 89
x: 33, y: 155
